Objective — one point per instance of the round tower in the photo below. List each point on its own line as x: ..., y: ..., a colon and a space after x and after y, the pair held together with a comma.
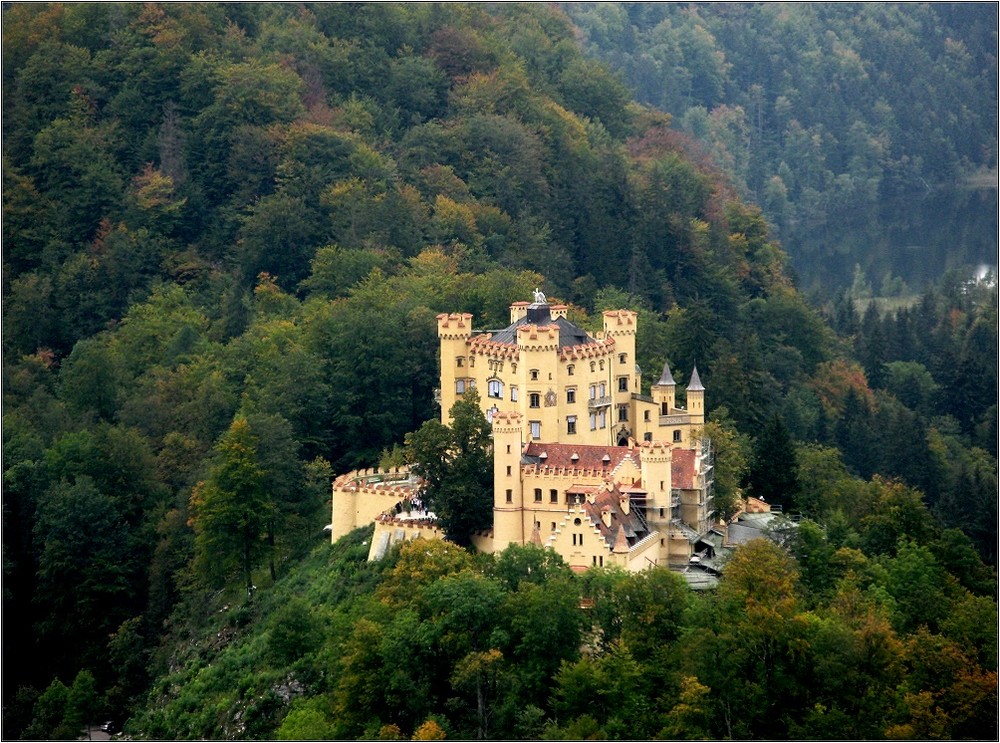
x: 508, y: 496
x: 656, y: 460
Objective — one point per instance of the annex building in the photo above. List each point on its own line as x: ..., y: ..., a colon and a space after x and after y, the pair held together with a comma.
x: 583, y: 462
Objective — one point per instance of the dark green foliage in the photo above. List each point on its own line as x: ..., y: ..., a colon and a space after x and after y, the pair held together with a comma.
x: 456, y: 464
x: 772, y: 472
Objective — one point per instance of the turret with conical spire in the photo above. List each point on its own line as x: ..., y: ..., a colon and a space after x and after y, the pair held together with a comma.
x: 696, y: 399
x: 664, y: 390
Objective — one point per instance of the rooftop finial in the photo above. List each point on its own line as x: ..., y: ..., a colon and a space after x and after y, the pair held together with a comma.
x: 539, y: 297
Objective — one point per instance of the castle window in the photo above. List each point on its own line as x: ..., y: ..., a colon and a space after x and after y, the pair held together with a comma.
x: 570, y: 424
x: 600, y: 561
x: 460, y: 386
x: 538, y: 495
x: 536, y: 429
x: 593, y: 392
x: 602, y: 364
x: 648, y: 436
x: 553, y: 525
x: 593, y: 421
x: 677, y: 435
x: 577, y: 522
x: 495, y: 389
x: 472, y: 361
x: 664, y: 410
x: 508, y: 470
x: 571, y: 395
x: 553, y: 496
x: 622, y: 413
x: 623, y: 384
x: 570, y: 369
x: 604, y: 389
x: 593, y: 366
x: 602, y: 418
x: 534, y: 400
x: 621, y: 358
x: 510, y: 495
x: 534, y: 375
x: 513, y: 393
x: 645, y: 415
x: 460, y: 361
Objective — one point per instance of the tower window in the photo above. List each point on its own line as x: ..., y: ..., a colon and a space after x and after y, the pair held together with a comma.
x: 677, y: 434
x: 538, y: 495
x: 621, y: 358
x: 510, y: 495
x: 460, y: 386
x: 622, y: 413
x: 553, y: 496
x: 513, y: 393
x: 571, y: 395
x: 570, y: 424
x: 472, y: 361
x: 570, y: 369
x: 623, y: 384
x: 536, y: 429
x: 535, y: 400
x: 495, y: 389
x: 645, y: 415
x: 533, y: 374
x: 508, y: 470
x: 460, y: 361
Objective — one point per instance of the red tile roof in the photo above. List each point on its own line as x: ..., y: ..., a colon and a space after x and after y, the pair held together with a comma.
x: 682, y: 469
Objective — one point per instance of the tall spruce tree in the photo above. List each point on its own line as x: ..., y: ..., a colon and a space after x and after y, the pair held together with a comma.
x: 773, y: 474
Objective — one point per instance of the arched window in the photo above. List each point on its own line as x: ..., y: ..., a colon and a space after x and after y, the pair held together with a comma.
x: 495, y: 389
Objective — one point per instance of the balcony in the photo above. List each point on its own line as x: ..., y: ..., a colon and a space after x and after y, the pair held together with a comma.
x: 596, y: 403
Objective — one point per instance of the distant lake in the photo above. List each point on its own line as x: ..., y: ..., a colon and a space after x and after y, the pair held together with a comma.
x: 917, y: 237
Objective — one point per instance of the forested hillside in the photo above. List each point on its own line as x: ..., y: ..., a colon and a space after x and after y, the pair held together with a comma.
x: 834, y: 117
x: 227, y: 231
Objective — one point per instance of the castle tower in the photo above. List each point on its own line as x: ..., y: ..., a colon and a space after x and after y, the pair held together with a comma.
x: 696, y: 399
x: 508, y: 496
x: 656, y: 462
x: 664, y: 391
x: 620, y: 326
x: 454, y: 331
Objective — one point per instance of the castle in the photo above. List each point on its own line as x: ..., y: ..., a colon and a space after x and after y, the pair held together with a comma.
x: 583, y: 463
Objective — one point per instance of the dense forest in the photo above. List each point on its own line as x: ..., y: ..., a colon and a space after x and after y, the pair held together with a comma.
x: 228, y: 228
x: 834, y: 117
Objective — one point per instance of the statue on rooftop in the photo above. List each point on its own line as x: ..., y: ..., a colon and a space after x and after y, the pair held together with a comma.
x: 539, y: 297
